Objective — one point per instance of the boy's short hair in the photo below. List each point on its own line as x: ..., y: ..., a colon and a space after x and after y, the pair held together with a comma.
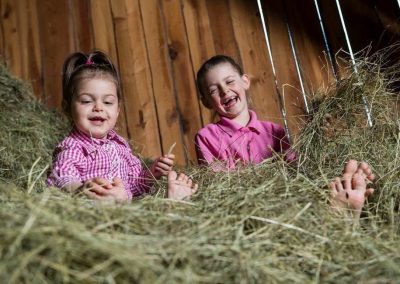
x: 207, y: 66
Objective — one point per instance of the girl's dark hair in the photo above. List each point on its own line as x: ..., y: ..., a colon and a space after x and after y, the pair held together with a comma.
x: 207, y: 66
x: 79, y: 66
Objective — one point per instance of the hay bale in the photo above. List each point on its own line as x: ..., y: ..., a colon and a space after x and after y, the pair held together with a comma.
x: 29, y: 130
x: 267, y: 223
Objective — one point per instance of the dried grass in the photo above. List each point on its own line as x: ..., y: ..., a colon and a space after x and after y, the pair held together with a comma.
x: 268, y: 223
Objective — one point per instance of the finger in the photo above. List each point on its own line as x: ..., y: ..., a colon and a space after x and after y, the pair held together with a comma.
x: 102, y: 182
x: 163, y: 167
x: 195, y: 187
x: 99, y: 190
x: 118, y: 182
x: 189, y: 182
x: 170, y: 156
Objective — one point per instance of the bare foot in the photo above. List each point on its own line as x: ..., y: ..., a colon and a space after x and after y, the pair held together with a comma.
x: 180, y: 186
x: 350, y: 191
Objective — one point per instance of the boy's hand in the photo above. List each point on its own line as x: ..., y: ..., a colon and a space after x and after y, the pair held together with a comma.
x: 162, y: 166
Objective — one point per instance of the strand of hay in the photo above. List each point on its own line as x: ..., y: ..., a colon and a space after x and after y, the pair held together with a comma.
x: 268, y: 223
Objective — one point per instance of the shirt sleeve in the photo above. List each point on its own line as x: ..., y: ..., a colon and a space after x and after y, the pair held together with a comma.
x: 66, y: 166
x: 140, y: 179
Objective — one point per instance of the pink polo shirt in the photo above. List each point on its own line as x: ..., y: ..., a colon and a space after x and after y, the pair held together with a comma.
x: 233, y: 144
x: 79, y: 158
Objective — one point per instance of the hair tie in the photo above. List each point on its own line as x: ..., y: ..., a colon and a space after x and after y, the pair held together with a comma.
x: 89, y: 62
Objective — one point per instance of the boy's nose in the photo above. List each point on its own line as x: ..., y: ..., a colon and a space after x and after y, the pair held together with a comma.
x: 224, y: 91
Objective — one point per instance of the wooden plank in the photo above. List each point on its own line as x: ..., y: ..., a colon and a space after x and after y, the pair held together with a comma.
x: 256, y: 62
x: 104, y: 39
x: 2, y: 48
x: 55, y: 45
x: 316, y: 70
x: 162, y: 81
x: 185, y: 89
x: 28, y: 33
x: 200, y: 40
x: 136, y: 77
x: 282, y: 55
x: 81, y: 22
x: 222, y: 28
x: 12, y: 46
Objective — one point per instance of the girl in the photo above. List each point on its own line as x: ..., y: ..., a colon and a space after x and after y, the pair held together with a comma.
x: 238, y: 137
x: 94, y: 159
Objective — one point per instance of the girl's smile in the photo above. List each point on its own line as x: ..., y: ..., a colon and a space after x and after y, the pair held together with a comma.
x: 95, y: 107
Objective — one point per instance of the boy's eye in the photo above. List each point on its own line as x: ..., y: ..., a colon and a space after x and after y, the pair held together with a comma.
x: 230, y: 82
x: 212, y: 91
x: 109, y: 103
x: 85, y: 101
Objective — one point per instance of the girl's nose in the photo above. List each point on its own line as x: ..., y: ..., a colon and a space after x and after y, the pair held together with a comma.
x: 97, y: 107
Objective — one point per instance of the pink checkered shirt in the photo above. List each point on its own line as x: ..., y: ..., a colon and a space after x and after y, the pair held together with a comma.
x: 79, y: 158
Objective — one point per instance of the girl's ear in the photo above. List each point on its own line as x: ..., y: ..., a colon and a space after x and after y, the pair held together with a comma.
x: 246, y: 81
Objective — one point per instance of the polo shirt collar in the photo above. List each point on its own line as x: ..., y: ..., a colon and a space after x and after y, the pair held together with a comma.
x: 230, y: 127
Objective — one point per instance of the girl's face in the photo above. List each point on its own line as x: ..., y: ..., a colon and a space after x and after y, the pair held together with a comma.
x: 226, y: 89
x: 95, y: 107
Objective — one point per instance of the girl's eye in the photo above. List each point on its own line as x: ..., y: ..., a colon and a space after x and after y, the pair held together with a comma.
x: 85, y: 102
x: 109, y: 103
x: 230, y: 82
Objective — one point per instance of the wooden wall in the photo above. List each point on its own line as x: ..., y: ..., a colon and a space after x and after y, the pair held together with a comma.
x: 159, y: 45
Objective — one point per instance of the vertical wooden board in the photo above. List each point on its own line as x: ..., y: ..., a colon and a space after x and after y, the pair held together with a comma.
x: 282, y: 55
x: 256, y: 62
x: 200, y: 41
x: 1, y: 33
x: 316, y: 70
x: 12, y: 46
x: 82, y: 32
x: 28, y: 32
x: 162, y: 84
x: 55, y: 46
x: 104, y: 39
x: 139, y: 103
x: 184, y: 84
x: 222, y: 28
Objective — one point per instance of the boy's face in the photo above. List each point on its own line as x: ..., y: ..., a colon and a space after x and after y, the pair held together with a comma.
x: 226, y: 90
x: 95, y: 107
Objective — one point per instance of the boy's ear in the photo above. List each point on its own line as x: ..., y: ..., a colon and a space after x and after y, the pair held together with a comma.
x: 246, y: 80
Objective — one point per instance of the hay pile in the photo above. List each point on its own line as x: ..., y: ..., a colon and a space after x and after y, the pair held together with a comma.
x: 268, y: 223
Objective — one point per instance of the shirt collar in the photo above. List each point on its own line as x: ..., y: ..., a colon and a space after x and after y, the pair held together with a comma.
x: 230, y: 127
x: 112, y: 135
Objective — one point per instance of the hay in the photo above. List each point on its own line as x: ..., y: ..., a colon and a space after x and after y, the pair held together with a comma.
x: 268, y: 223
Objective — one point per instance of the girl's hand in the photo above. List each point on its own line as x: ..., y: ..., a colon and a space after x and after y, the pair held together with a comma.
x: 162, y: 166
x: 101, y: 189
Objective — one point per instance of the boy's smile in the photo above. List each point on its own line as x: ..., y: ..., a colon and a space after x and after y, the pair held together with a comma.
x: 227, y: 90
x: 95, y: 107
